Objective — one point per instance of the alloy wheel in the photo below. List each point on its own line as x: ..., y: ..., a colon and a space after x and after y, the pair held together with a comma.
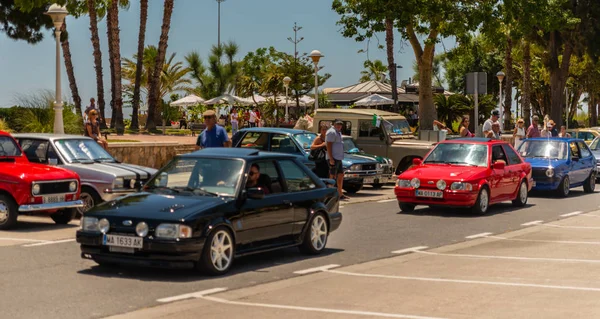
x: 88, y: 202
x: 318, y: 232
x: 483, y: 200
x: 221, y: 250
x: 566, y: 186
x: 3, y: 212
x: 523, y: 192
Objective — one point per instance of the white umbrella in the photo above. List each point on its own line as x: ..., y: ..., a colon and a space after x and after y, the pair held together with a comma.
x: 307, y: 100
x: 258, y: 98
x: 373, y: 100
x: 189, y: 100
x: 229, y: 99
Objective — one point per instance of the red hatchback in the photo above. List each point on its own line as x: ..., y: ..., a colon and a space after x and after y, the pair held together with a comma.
x: 466, y: 172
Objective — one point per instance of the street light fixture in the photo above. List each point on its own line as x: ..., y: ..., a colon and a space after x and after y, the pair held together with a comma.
x: 58, y: 14
x: 286, y: 83
x: 219, y: 24
x: 316, y: 55
x: 500, y: 76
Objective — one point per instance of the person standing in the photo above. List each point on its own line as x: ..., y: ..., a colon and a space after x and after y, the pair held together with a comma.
x: 234, y: 121
x: 92, y: 106
x: 519, y: 133
x: 335, y: 155
x: 553, y: 130
x: 547, y: 131
x: 487, y: 125
x: 213, y: 135
x: 533, y: 130
x: 563, y: 132
x: 318, y: 149
x: 463, y: 128
x: 92, y: 129
x: 253, y: 118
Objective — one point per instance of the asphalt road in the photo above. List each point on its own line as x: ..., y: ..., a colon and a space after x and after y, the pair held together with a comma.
x: 51, y: 281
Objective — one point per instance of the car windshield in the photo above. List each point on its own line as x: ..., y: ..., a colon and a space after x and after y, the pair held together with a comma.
x: 349, y: 145
x: 459, y: 154
x: 8, y: 147
x: 199, y: 176
x: 396, y: 126
x: 543, y: 149
x: 594, y: 145
x: 82, y: 150
x: 305, y: 139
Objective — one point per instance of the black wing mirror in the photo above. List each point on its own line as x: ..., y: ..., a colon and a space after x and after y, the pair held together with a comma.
x: 255, y: 193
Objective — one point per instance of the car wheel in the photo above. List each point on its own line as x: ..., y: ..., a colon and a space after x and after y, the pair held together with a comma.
x: 315, y: 237
x: 377, y: 186
x: 352, y: 189
x: 406, y: 208
x: 483, y: 202
x: 217, y: 256
x: 522, y: 195
x: 564, y: 187
x: 64, y: 216
x: 90, y: 199
x: 8, y: 212
x: 589, y: 186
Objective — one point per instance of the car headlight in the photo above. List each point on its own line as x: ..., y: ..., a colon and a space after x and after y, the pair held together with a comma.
x: 118, y: 182
x: 103, y: 225
x: 173, y: 231
x: 89, y: 224
x: 132, y: 183
x: 379, y: 166
x: 405, y: 183
x: 391, y: 162
x: 355, y: 167
x: 73, y: 186
x: 415, y: 182
x: 441, y: 184
x: 458, y: 186
x: 550, y: 172
x: 141, y: 229
x: 35, y: 189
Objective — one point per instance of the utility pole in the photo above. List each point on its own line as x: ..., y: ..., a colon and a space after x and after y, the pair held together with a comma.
x: 219, y: 26
x: 295, y: 41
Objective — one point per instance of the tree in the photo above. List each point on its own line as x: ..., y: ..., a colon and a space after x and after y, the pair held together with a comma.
x: 304, y: 71
x: 221, y: 73
x: 114, y: 51
x: 139, y: 65
x: 24, y: 20
x: 153, y: 98
x: 374, y: 71
x: 66, y: 50
x: 451, y: 108
x: 436, y: 69
x: 93, y: 14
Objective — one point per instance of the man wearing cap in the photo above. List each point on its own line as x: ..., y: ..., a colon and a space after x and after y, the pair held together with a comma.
x: 487, y: 125
x: 533, y: 130
x: 213, y: 135
x: 335, y: 154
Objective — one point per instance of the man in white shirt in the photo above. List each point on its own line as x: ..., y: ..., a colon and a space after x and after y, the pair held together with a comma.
x: 252, y: 119
x: 487, y: 125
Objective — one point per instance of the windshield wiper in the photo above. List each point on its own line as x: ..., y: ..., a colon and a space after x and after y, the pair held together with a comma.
x: 165, y: 188
x: 83, y: 160
x: 204, y: 192
x: 461, y: 163
x: 104, y: 160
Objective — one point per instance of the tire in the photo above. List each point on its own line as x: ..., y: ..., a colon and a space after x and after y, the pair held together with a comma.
x: 315, y: 237
x: 483, y: 202
x: 522, y: 195
x: 8, y: 212
x: 589, y: 186
x: 564, y: 187
x: 64, y: 216
x: 352, y: 189
x: 220, y: 241
x: 90, y: 199
x: 377, y: 186
x: 406, y: 208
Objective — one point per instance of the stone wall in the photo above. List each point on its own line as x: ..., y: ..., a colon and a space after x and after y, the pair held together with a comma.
x: 154, y: 155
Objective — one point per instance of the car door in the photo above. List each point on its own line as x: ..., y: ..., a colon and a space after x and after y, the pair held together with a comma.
x: 576, y: 165
x: 514, y: 169
x: 503, y: 177
x: 588, y: 162
x: 372, y: 138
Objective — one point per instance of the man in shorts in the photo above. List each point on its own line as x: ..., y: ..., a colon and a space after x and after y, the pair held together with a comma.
x: 335, y: 155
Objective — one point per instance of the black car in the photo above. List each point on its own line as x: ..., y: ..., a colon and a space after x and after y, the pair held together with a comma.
x: 205, y: 208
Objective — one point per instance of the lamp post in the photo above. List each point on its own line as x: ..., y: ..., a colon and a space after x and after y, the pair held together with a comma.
x: 219, y: 24
x: 58, y: 14
x: 500, y: 76
x: 315, y: 55
x: 286, y: 83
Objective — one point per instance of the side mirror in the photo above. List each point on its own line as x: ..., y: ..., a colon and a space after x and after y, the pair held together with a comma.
x: 53, y: 161
x: 417, y: 161
x: 255, y: 193
x: 499, y: 165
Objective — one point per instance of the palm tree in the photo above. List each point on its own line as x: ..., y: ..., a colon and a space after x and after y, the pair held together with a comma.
x: 66, y: 48
x: 218, y: 77
x: 450, y: 109
x: 374, y: 71
x: 153, y: 94
x: 115, y: 63
x: 139, y: 64
x: 92, y: 11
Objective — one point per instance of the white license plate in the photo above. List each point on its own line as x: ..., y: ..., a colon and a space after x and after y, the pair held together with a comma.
x: 123, y: 241
x: 368, y: 180
x: 425, y: 193
x: 53, y: 199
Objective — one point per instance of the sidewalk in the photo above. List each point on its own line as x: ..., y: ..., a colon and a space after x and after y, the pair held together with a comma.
x: 542, y: 271
x: 157, y: 138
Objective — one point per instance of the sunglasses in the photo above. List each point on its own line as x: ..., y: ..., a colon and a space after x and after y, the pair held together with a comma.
x: 253, y: 173
x: 209, y: 117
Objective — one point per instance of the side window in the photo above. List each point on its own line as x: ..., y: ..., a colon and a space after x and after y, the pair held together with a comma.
x: 584, y: 150
x: 572, y: 134
x: 297, y: 180
x: 256, y: 140
x: 35, y: 150
x: 587, y: 136
x: 512, y: 155
x: 346, y: 129
x: 283, y: 143
x: 574, y: 150
x: 269, y: 177
x: 366, y: 129
x: 498, y: 154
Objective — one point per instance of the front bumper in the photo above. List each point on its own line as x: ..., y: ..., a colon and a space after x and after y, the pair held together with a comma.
x: 50, y: 206
x: 546, y: 184
x: 451, y: 198
x: 363, y: 177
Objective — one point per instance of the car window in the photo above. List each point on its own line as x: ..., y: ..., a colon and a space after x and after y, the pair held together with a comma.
x: 584, y: 150
x: 8, y: 147
x: 269, y: 177
x: 367, y: 129
x: 574, y: 150
x: 572, y: 133
x: 35, y: 150
x: 587, y: 136
x: 297, y: 180
x: 498, y: 154
x: 594, y: 145
x: 513, y: 157
x: 256, y: 140
x: 346, y: 129
x: 283, y: 143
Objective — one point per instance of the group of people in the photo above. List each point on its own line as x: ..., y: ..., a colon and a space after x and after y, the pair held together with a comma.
x: 327, y: 150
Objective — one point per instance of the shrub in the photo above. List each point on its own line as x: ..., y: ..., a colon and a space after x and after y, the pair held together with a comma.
x: 35, y: 113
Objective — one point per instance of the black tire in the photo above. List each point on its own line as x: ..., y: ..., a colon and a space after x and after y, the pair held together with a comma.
x: 482, y: 204
x: 563, y: 189
x: 406, y: 208
x: 589, y: 186
x: 8, y: 212
x: 88, y: 196
x: 64, y: 216
x: 377, y: 186
x: 318, y: 227
x: 522, y: 195
x: 206, y: 263
x: 352, y: 189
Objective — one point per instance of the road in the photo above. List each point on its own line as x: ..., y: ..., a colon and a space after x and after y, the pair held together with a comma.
x: 41, y: 263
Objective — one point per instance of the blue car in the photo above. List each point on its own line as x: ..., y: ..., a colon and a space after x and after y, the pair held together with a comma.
x: 559, y: 164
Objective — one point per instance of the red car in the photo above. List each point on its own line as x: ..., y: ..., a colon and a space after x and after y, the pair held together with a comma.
x: 34, y: 188
x: 466, y: 172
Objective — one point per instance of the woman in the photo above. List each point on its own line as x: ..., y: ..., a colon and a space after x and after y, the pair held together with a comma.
x: 234, y: 121
x: 92, y: 129
x: 320, y: 146
x: 519, y: 133
x: 563, y: 132
x: 463, y: 128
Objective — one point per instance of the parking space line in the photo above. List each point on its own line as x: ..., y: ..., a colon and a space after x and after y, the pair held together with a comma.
x: 198, y: 294
x: 316, y: 269
x: 409, y: 250
x: 547, y: 241
x: 23, y: 239
x: 462, y: 281
x: 478, y: 235
x: 563, y: 260
x: 314, y: 309
x: 535, y: 222
x: 590, y: 215
x: 49, y: 243
x: 573, y: 227
x: 386, y: 200
x: 571, y: 214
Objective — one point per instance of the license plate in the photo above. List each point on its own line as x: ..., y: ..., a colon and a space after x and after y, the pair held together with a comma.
x: 53, y: 199
x: 116, y: 249
x: 368, y: 180
x: 123, y: 241
x: 425, y: 193
x: 533, y: 184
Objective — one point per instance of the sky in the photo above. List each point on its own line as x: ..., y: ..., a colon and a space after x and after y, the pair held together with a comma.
x: 251, y: 24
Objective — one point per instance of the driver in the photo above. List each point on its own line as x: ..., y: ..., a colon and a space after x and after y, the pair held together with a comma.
x: 254, y: 179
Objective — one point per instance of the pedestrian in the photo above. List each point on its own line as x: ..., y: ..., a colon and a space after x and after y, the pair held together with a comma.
x: 234, y: 121
x: 547, y: 131
x: 253, y: 118
x: 463, y: 127
x: 519, y: 133
x: 487, y: 125
x: 92, y: 129
x: 563, y: 132
x: 533, y: 130
x: 92, y: 106
x: 495, y: 134
x: 335, y: 155
x: 318, y: 152
x: 553, y: 130
x: 213, y: 135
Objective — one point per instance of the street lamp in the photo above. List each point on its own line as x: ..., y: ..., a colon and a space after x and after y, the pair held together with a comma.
x: 219, y: 24
x: 286, y: 83
x: 58, y: 14
x: 315, y: 55
x: 500, y: 76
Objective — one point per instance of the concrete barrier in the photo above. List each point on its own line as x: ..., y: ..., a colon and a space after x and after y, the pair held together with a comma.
x: 155, y: 155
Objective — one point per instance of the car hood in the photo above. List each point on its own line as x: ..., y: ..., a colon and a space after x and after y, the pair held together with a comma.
x: 114, y: 169
x: 151, y: 206
x: 445, y: 172
x: 351, y: 159
x: 379, y: 159
x: 35, y: 172
x: 544, y: 162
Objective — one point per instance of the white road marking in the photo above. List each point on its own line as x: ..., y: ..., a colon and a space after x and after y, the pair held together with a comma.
x: 563, y: 260
x: 316, y: 269
x: 461, y: 281
x: 313, y: 309
x: 535, y: 222
x: 23, y: 239
x: 548, y: 241
x: 590, y: 215
x: 198, y: 294
x: 571, y: 214
x: 478, y: 235
x: 409, y: 250
x: 573, y: 227
x: 387, y: 200
x: 49, y: 243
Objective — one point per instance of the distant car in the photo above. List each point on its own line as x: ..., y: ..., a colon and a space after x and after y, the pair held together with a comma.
x: 586, y: 134
x: 560, y: 164
x: 595, y: 148
x: 466, y: 172
x: 33, y: 188
x: 102, y: 177
x: 198, y: 212
x: 385, y: 165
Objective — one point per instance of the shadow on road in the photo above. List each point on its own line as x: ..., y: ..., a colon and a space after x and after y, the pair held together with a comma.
x: 451, y: 212
x: 35, y: 226
x: 553, y: 194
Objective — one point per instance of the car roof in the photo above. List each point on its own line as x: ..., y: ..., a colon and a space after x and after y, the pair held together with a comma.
x: 475, y: 140
x: 275, y: 130
x: 556, y: 139
x: 50, y: 136
x: 235, y: 152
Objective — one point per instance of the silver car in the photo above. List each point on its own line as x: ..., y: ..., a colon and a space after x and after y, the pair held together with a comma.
x: 102, y: 177
x: 595, y: 148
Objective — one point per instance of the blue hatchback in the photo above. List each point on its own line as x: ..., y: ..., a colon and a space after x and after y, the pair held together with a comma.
x: 559, y: 164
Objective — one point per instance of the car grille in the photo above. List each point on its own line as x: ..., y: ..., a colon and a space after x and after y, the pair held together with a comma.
x: 54, y: 188
x: 369, y: 167
x: 539, y: 173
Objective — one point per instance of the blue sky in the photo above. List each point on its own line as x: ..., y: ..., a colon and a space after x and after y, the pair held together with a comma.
x: 251, y: 24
